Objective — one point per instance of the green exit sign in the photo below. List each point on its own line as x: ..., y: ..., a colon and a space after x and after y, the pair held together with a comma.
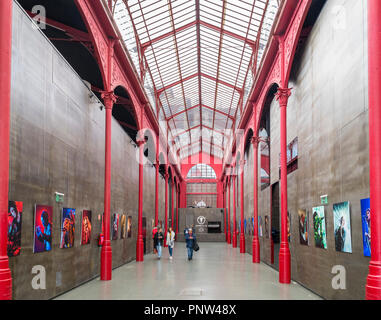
x: 59, y: 197
x: 324, y: 199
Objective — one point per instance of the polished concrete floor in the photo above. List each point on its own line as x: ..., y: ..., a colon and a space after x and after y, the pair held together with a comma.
x: 216, y: 272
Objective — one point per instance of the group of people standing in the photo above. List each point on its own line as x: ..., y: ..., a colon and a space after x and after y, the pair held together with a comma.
x: 158, y: 240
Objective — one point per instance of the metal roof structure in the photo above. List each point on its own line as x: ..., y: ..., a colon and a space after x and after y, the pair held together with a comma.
x: 197, y: 60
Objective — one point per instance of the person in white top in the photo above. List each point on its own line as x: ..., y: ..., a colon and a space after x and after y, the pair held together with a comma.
x: 170, y: 241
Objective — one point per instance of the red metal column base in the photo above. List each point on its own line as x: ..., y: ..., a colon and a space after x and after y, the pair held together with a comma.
x: 106, y: 261
x: 373, y: 283
x: 284, y: 263
x: 242, y: 243
x: 140, y: 249
x: 234, y: 243
x: 229, y: 238
x: 256, y: 250
x: 5, y: 279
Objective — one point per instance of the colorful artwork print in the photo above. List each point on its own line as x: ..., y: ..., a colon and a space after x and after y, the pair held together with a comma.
x: 288, y: 226
x: 86, y: 227
x: 101, y: 235
x: 260, y: 230
x: 14, y: 228
x: 365, y: 221
x: 303, y: 226
x: 67, y: 228
x: 115, y: 226
x: 123, y: 226
x: 267, y: 227
x: 129, y: 226
x: 43, y: 220
x: 342, y: 227
x: 320, y: 235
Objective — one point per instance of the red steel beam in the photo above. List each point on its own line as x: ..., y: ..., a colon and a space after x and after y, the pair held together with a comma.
x: 70, y: 31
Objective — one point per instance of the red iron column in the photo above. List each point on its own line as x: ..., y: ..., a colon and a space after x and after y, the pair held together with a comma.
x: 177, y: 208
x: 106, y: 252
x: 5, y: 101
x: 234, y: 243
x: 166, y: 175
x: 284, y: 252
x: 242, y: 244
x: 256, y: 246
x: 229, y: 205
x: 157, y: 183
x: 373, y: 285
x: 224, y: 205
x: 139, y: 242
x: 172, y: 202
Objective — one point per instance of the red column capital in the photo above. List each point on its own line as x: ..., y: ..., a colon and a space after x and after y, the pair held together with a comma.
x: 255, y: 141
x: 282, y: 96
x: 109, y: 98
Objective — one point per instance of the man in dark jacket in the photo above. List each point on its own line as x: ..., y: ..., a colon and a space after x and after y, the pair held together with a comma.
x: 159, y: 237
x: 190, y: 239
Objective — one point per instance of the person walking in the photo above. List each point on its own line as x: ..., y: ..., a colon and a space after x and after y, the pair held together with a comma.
x: 190, y: 239
x: 159, y: 241
x: 170, y: 241
x: 154, y: 231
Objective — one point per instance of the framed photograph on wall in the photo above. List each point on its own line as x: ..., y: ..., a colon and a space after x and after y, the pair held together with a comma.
x: 303, y: 226
x: 43, y: 227
x: 320, y: 235
x: 123, y: 226
x: 129, y: 226
x: 67, y: 228
x: 289, y: 226
x: 365, y: 221
x: 86, y: 227
x: 15, y: 209
x: 115, y: 226
x: 342, y: 227
x: 260, y: 229
x: 267, y: 227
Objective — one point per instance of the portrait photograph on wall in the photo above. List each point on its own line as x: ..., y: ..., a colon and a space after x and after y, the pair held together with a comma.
x: 43, y: 227
x: 14, y: 228
x: 67, y: 228
x: 288, y: 226
x: 129, y: 226
x: 123, y: 226
x: 115, y: 226
x: 101, y: 235
x: 260, y: 229
x: 86, y: 227
x: 342, y: 227
x: 303, y: 226
x: 365, y: 221
x: 320, y: 235
x: 267, y: 227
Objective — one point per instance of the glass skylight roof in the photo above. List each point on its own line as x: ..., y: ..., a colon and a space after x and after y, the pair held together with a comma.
x: 198, y: 59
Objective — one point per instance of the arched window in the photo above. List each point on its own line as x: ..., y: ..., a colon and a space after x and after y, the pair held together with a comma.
x: 201, y: 171
x: 265, y: 158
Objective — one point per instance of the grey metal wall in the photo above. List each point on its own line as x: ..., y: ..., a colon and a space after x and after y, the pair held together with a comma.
x: 328, y: 112
x: 57, y: 144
